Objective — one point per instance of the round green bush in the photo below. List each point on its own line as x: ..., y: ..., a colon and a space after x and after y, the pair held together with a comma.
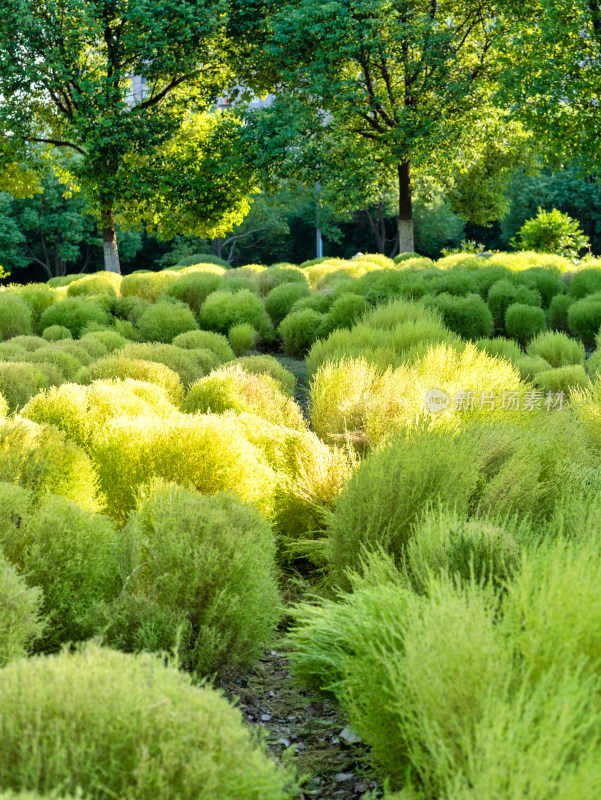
x: 163, y: 321
x: 71, y: 555
x: 317, y: 301
x: 546, y: 282
x: 97, y: 283
x: 221, y: 310
x: 202, y: 258
x: 19, y: 381
x: 109, y: 340
x: 38, y: 296
x: 29, y: 343
x: 505, y: 293
x: 176, y: 358
x: 56, y: 332
x: 277, y: 275
x: 66, y: 363
x: 457, y: 283
x: 584, y: 318
x: 469, y: 316
x: 42, y: 459
x: 210, y: 453
x: 202, y: 578
x: 392, y: 488
x: 562, y: 379
x: 344, y: 313
x: 268, y: 365
x: 118, y: 366
x: 193, y: 289
x: 280, y: 299
x: 299, y: 330
x: 524, y: 322
x: 19, y: 613
x: 501, y: 348
x: 585, y: 282
x: 558, y: 312
x: 15, y: 316
x: 206, y: 340
x: 473, y: 550
x: 242, y: 338
x: 230, y: 388
x: 62, y: 280
x: 78, y: 349
x: 557, y: 349
x: 117, y: 725
x: 147, y: 285
x: 74, y: 313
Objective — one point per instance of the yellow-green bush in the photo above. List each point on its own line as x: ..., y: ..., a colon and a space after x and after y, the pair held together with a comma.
x: 20, y: 621
x: 118, y: 366
x: 15, y: 315
x: 38, y: 296
x: 505, y: 293
x: 43, y: 460
x: 111, y: 724
x: 209, y: 453
x: 231, y: 388
x: 277, y: 275
x: 177, y: 359
x: 523, y: 322
x: 206, y: 340
x: 392, y: 488
x: 299, y: 330
x: 561, y: 379
x: 585, y: 282
x: 74, y: 313
x: 71, y: 555
x: 56, y: 332
x: 501, y: 348
x: 558, y: 312
x: 28, y: 343
x: 223, y: 309
x: 269, y: 365
x: 280, y: 300
x: 80, y: 411
x: 19, y: 381
x: 148, y: 285
x: 242, y: 338
x: 584, y: 318
x: 194, y: 288
x: 202, y: 581
x: 66, y: 363
x: 344, y: 313
x: 468, y: 316
x: 162, y: 322
x: 3, y: 406
x: 96, y: 283
x: 558, y: 349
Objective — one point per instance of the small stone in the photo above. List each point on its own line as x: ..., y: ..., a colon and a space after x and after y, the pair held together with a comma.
x: 349, y: 735
x: 361, y: 787
x: 284, y: 742
x: 343, y: 776
x: 265, y: 717
x: 272, y: 693
x: 335, y: 740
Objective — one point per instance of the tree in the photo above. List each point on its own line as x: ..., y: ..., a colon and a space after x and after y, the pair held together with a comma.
x: 66, y: 80
x: 406, y: 77
x: 552, y: 75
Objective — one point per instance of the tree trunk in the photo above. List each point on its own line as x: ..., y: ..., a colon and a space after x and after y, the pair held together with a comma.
x: 405, y: 210
x: 109, y: 237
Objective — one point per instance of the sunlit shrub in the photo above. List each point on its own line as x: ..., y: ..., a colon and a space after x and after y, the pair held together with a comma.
x: 148, y: 285
x: 222, y: 309
x: 230, y: 388
x: 56, y: 332
x: 162, y: 322
x: 278, y: 275
x: 242, y: 337
x: 15, y: 316
x: 530, y: 366
x: 501, y: 348
x: 467, y: 316
x: 206, y: 340
x: 562, y: 379
x: 43, y: 460
x: 118, y: 366
x: 127, y: 724
x: 523, y: 322
x: 344, y: 313
x: 20, y: 619
x: 209, y: 453
x: 74, y: 313
x: 269, y: 365
x: 19, y: 381
x: 202, y: 581
x: 96, y: 283
x: 584, y: 318
x: 506, y: 293
x: 71, y: 555
x: 66, y: 363
x: 557, y: 349
x: 177, y: 359
x: 280, y: 300
x: 108, y: 340
x: 193, y: 289
x: 299, y: 330
x: 558, y: 312
x: 585, y: 282
x: 38, y: 296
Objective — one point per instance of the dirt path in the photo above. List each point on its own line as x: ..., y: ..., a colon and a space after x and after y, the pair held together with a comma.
x: 309, y: 728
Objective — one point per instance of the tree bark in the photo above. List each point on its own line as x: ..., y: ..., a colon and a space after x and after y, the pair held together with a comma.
x: 406, y: 244
x: 109, y: 237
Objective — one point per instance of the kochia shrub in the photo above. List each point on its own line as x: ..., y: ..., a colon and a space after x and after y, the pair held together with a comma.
x: 269, y: 365
x: 558, y: 312
x: 585, y: 282
x: 562, y: 379
x: 43, y: 460
x: 523, y: 322
x: 504, y: 294
x: 202, y: 580
x: 67, y: 364
x: 162, y: 322
x: 584, y: 318
x: 56, y: 332
x: 390, y: 490
x: 230, y: 388
x: 19, y: 381
x: 206, y: 340
x: 344, y: 313
x: 148, y: 285
x: 299, y: 330
x: 501, y: 348
x: 74, y: 313
x: 97, y: 283
x: 71, y: 555
x: 468, y: 316
x: 278, y: 275
x: 280, y: 300
x: 20, y: 619
x: 118, y: 366
x: 210, y: 453
x: 557, y: 349
x: 129, y: 725
x: 193, y: 289
x: 15, y: 316
x: 38, y: 296
x: 242, y: 337
x: 177, y: 359
x: 221, y: 310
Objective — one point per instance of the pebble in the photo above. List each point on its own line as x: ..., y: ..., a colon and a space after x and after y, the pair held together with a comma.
x: 265, y: 717
x: 343, y: 776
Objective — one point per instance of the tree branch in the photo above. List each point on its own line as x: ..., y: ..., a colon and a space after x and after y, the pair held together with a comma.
x: 164, y: 92
x: 57, y: 143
